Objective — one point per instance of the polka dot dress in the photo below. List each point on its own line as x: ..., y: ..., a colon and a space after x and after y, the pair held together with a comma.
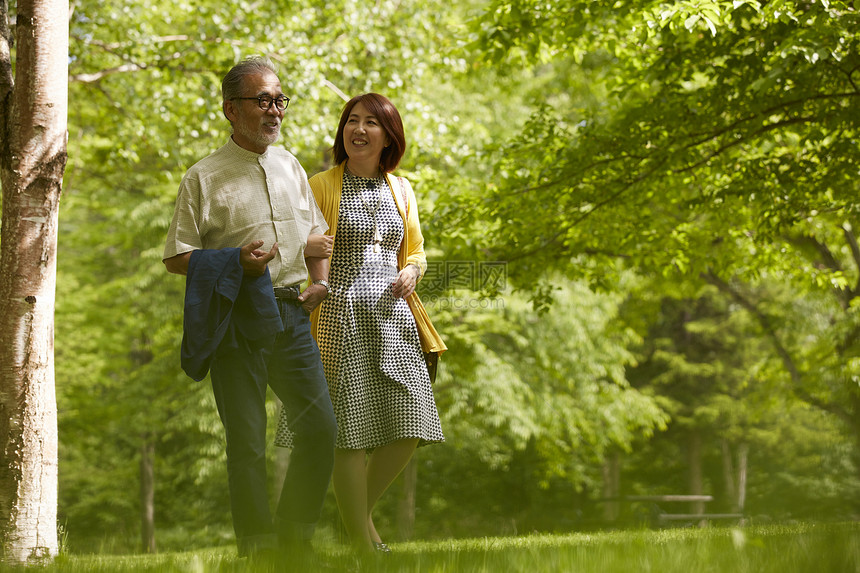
x: 368, y: 341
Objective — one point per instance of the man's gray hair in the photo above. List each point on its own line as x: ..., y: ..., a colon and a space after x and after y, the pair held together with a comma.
x: 231, y: 85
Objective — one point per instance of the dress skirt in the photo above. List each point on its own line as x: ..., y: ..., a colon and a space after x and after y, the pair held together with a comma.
x: 377, y: 378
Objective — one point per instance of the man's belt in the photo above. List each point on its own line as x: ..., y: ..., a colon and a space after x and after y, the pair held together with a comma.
x: 288, y: 292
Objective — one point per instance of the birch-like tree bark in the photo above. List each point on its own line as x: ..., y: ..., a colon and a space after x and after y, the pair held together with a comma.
x: 33, y: 112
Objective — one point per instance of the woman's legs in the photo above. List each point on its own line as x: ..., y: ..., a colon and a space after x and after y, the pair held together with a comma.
x: 384, y: 465
x: 350, y: 489
x: 358, y: 485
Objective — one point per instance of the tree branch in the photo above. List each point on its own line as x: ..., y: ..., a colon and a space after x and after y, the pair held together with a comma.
x: 848, y: 74
x: 825, y: 259
x: 851, y: 239
x: 565, y: 228
x: 739, y: 141
x: 715, y: 135
x: 768, y: 112
x: 96, y: 76
x: 788, y: 363
x: 112, y: 48
x: 131, y: 66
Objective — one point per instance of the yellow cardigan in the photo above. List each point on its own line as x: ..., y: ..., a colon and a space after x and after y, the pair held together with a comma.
x: 327, y: 187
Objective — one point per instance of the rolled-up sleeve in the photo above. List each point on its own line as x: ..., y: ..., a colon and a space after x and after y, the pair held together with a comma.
x: 183, y: 235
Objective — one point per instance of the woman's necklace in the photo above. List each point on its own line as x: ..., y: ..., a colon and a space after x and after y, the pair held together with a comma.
x: 370, y: 185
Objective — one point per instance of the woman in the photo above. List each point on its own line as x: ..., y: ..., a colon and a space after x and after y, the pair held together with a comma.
x: 368, y: 328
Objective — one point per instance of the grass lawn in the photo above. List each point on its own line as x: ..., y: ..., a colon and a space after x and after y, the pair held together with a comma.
x: 806, y: 548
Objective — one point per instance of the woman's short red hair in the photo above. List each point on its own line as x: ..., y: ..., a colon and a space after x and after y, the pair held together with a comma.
x: 389, y: 119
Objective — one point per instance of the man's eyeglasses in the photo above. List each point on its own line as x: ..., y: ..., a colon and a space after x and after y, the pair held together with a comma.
x: 266, y: 101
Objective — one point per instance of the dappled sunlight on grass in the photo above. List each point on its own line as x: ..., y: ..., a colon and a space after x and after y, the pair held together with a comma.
x: 779, y: 549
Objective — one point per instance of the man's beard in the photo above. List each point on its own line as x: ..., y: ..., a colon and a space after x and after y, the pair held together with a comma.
x: 257, y: 136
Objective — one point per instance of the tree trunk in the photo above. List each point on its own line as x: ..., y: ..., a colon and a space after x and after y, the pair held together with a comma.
x: 743, y: 455
x: 854, y: 424
x: 147, y: 494
x: 611, y: 472
x: 406, y: 506
x: 33, y: 108
x: 694, y: 461
x: 729, y: 477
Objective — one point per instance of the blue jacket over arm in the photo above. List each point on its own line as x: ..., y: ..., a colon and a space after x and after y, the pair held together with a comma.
x: 223, y: 306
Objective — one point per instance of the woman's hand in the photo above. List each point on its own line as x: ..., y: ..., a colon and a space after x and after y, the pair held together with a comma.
x: 319, y: 246
x: 406, y: 281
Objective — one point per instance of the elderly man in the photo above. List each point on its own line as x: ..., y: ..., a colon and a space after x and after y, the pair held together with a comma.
x: 240, y: 232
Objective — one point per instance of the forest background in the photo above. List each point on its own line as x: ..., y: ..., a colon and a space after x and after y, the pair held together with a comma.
x: 640, y: 219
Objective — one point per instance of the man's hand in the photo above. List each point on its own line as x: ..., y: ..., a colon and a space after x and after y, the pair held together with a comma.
x: 253, y: 260
x: 406, y: 281
x: 312, y: 296
x: 320, y: 246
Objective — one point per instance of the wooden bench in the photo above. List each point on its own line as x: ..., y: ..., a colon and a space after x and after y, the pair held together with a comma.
x: 662, y: 517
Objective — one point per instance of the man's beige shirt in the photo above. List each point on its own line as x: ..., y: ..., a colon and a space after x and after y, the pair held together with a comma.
x: 235, y: 196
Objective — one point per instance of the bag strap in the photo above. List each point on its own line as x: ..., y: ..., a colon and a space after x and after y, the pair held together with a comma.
x: 405, y: 197
x: 405, y: 209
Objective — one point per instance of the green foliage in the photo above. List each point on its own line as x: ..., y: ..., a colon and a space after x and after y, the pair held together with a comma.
x: 706, y: 147
x: 539, y: 409
x: 642, y: 149
x: 722, y: 152
x: 146, y: 105
x: 709, y: 369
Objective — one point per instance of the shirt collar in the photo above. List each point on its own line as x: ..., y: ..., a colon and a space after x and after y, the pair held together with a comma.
x: 243, y: 153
